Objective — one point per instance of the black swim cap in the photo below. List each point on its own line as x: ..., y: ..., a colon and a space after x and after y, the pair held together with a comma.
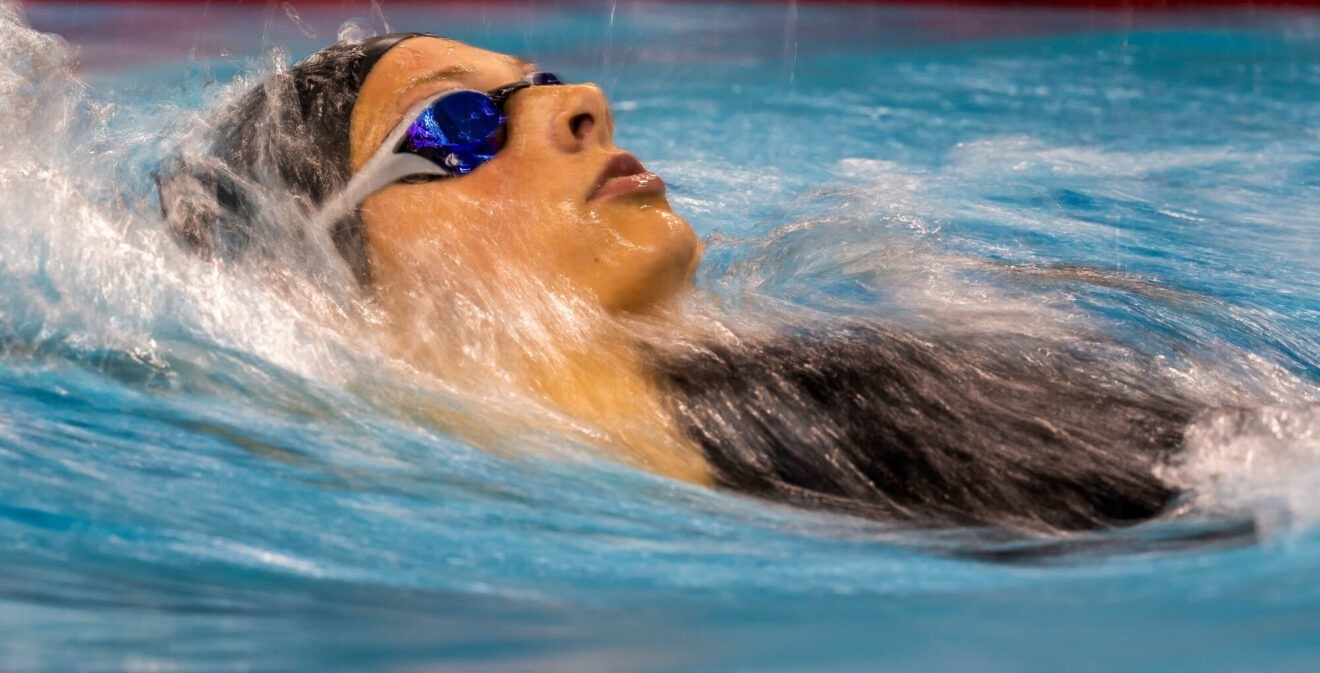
x: 287, y: 137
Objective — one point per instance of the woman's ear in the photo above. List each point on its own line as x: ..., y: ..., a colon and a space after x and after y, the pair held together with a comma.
x: 205, y: 207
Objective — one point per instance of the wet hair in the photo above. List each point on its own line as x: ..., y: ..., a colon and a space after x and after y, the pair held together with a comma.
x: 932, y: 429
x: 287, y: 137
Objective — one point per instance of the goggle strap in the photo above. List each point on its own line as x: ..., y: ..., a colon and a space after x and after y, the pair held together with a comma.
x: 380, y: 172
x: 383, y: 168
x: 388, y: 165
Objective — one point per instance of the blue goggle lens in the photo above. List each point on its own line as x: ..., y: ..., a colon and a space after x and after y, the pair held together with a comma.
x: 461, y: 130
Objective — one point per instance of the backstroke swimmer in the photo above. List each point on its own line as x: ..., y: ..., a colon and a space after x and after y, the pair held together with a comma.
x: 466, y: 189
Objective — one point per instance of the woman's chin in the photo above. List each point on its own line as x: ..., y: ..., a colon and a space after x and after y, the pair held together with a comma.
x: 661, y: 283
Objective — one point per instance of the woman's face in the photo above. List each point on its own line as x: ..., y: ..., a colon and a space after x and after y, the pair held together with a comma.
x: 558, y: 204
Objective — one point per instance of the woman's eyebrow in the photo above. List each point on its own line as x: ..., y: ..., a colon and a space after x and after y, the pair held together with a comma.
x: 445, y: 73
x: 522, y: 65
x: 456, y: 70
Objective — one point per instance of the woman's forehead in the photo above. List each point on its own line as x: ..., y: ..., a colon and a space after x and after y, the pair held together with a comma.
x: 415, y: 69
x: 422, y: 60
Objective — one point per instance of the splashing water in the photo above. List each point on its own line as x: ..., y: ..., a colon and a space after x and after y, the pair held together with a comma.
x: 238, y: 468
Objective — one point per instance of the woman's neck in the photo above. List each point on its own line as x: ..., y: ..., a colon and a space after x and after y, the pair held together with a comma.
x: 595, y: 378
x: 609, y: 388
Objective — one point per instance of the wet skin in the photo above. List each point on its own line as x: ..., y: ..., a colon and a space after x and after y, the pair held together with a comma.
x: 558, y: 208
x: 538, y: 206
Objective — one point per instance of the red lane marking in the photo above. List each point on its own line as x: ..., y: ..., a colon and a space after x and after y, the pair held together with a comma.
x: 1066, y: 4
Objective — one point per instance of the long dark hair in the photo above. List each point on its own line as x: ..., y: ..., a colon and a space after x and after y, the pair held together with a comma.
x: 288, y: 139
x: 934, y: 428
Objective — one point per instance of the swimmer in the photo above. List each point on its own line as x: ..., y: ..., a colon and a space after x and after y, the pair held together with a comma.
x: 482, y: 205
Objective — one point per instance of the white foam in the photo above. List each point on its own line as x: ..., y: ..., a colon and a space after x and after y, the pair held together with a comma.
x: 1265, y: 460
x: 84, y: 258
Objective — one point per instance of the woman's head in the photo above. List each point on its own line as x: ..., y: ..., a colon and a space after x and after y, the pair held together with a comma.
x: 557, y: 204
x: 537, y: 207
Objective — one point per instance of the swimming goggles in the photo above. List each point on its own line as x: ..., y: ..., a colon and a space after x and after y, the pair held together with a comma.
x: 449, y: 134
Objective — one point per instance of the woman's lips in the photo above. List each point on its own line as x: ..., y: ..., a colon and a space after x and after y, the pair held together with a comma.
x: 624, y: 174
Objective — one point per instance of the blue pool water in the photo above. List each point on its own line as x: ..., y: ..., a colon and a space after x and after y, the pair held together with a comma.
x: 200, y: 474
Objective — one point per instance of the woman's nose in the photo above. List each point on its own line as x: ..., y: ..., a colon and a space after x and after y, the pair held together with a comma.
x: 573, y: 117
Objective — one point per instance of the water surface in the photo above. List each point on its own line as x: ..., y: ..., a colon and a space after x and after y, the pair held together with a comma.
x: 201, y: 475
